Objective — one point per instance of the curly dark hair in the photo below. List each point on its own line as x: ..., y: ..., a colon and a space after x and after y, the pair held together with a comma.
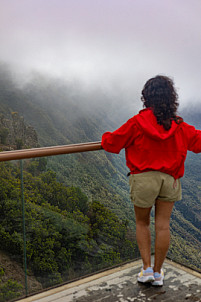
x: 160, y: 95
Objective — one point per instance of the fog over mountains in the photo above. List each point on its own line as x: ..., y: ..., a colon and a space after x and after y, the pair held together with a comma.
x: 64, y: 113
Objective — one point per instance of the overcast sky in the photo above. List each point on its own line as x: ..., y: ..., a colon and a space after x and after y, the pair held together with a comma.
x: 115, y: 44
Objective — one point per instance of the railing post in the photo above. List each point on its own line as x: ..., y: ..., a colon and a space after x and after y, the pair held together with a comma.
x: 24, y: 226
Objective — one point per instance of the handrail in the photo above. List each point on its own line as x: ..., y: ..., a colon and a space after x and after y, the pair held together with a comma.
x: 49, y: 151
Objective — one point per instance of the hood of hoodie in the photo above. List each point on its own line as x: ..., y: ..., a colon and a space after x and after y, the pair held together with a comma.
x: 147, y: 121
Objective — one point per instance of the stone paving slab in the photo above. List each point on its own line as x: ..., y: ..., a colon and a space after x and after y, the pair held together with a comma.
x: 120, y: 285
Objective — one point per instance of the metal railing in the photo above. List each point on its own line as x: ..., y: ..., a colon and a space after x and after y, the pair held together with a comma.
x: 41, y: 152
x: 49, y: 151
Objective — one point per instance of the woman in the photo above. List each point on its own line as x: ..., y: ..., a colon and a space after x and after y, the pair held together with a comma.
x: 156, y: 142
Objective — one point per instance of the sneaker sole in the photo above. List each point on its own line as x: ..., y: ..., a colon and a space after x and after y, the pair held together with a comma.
x: 146, y: 279
x: 157, y: 283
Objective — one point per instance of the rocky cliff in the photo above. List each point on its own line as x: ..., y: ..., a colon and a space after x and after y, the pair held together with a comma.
x: 15, y: 134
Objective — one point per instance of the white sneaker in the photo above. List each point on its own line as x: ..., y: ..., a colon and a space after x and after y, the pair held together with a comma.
x: 146, y: 276
x: 158, y: 279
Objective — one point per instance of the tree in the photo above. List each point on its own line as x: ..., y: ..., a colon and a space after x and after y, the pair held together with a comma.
x: 3, y: 135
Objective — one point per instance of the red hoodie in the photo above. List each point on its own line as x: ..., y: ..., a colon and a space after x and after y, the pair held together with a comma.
x: 150, y: 147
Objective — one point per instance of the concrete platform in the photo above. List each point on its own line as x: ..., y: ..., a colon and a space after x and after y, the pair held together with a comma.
x: 120, y: 285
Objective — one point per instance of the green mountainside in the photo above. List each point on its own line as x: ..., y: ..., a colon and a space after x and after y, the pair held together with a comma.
x: 64, y: 113
x: 66, y: 235
x: 61, y: 115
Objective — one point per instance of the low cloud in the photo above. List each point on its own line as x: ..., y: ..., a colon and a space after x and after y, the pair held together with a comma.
x: 112, y: 45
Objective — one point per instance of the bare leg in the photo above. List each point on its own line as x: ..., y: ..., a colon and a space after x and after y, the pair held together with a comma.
x: 143, y: 234
x: 163, y: 210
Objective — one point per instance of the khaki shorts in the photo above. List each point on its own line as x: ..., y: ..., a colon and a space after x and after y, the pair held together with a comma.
x: 146, y: 187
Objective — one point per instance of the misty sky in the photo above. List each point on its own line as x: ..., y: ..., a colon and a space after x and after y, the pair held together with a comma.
x: 113, y: 44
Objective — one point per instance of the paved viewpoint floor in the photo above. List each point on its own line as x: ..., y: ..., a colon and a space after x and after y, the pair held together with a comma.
x: 120, y: 285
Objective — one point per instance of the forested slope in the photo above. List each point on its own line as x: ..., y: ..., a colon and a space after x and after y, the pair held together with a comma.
x: 66, y: 235
x: 63, y: 113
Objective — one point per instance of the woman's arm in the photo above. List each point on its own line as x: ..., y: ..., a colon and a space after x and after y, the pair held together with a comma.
x: 194, y: 138
x: 120, y: 138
